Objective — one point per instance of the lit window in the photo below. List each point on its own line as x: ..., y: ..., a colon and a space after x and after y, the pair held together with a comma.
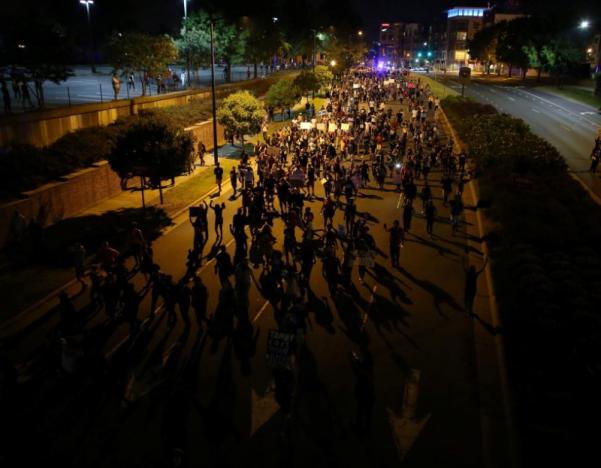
x: 460, y: 55
x: 461, y: 35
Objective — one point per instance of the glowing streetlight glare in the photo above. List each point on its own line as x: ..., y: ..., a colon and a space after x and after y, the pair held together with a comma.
x: 589, y: 50
x: 275, y: 19
x: 360, y: 33
x: 333, y: 63
x: 584, y: 24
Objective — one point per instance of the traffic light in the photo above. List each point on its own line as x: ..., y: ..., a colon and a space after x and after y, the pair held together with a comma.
x: 429, y: 54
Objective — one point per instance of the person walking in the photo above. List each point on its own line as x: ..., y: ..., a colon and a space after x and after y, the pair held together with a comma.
x: 430, y: 211
x: 234, y: 181
x: 218, y: 209
x: 218, y: 171
x: 224, y: 267
x: 202, y: 149
x: 79, y: 261
x: 396, y: 241
x: 6, y: 98
x: 471, y: 283
x: 116, y: 82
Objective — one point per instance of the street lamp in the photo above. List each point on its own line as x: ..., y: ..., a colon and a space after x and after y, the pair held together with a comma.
x: 360, y: 33
x: 185, y: 9
x: 87, y: 4
x: 333, y: 63
x: 213, y: 96
x: 584, y: 24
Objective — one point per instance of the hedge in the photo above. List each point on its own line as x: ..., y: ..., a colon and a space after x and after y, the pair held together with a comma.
x: 546, y: 258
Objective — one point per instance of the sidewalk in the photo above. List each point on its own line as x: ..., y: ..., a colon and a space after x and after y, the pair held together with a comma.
x: 30, y: 286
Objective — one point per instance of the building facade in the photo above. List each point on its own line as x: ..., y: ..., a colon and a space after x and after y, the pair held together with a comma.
x: 462, y: 24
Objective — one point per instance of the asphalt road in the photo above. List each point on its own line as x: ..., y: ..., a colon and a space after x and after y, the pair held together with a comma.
x: 568, y: 125
x: 86, y: 87
x: 413, y: 318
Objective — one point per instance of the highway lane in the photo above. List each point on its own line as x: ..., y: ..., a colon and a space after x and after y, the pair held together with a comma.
x: 569, y: 126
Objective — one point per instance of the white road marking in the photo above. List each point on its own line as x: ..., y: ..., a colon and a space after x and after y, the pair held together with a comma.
x: 510, y: 98
x: 535, y: 110
x: 569, y: 112
x: 261, y: 310
x: 565, y: 127
x: 399, y: 202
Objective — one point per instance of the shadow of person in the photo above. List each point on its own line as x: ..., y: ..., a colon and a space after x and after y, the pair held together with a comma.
x: 245, y: 345
x: 441, y: 250
x: 487, y: 326
x: 218, y: 415
x: 439, y: 295
x: 383, y: 276
x: 321, y: 309
x: 222, y: 322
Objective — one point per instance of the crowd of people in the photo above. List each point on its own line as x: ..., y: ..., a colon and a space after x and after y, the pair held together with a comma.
x: 375, y: 132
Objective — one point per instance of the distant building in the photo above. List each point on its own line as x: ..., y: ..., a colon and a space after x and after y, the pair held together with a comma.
x: 462, y: 24
x: 390, y: 41
x: 404, y: 44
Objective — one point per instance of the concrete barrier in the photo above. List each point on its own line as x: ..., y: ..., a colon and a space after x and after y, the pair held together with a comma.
x: 44, y: 127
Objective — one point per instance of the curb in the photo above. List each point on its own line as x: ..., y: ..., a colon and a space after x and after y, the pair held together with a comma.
x: 507, y: 397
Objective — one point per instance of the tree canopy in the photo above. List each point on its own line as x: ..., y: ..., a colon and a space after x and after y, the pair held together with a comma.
x: 142, y: 53
x: 241, y: 114
x: 152, y: 148
x: 283, y: 94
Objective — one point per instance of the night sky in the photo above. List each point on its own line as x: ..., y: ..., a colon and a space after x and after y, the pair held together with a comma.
x: 163, y: 16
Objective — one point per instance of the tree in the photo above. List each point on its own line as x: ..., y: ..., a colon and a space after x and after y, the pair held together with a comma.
x: 513, y: 35
x: 323, y: 75
x: 36, y: 52
x: 152, y: 149
x: 561, y: 54
x: 264, y: 40
x: 241, y: 114
x: 282, y: 95
x: 147, y: 55
x: 195, y: 42
x: 483, y: 46
x: 307, y: 82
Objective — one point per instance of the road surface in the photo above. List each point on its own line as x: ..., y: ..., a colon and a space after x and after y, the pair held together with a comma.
x: 568, y: 125
x: 211, y: 408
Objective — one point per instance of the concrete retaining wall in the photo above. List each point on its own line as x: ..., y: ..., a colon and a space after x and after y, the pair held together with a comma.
x: 80, y: 190
x: 44, y: 127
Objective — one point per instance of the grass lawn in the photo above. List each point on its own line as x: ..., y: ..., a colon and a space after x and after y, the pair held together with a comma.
x: 582, y: 95
x: 438, y: 89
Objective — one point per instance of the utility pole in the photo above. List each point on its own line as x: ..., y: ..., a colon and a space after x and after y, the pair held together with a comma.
x: 215, y: 149
x: 314, y: 37
x: 87, y: 4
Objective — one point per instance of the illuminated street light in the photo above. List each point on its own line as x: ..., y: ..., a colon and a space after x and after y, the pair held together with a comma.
x: 87, y: 4
x: 584, y: 24
x: 185, y: 9
x: 360, y: 33
x: 275, y: 19
x: 333, y: 63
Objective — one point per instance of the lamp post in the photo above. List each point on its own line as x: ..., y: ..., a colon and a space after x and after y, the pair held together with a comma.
x: 87, y: 4
x: 314, y: 39
x: 213, y: 97
x: 185, y: 9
